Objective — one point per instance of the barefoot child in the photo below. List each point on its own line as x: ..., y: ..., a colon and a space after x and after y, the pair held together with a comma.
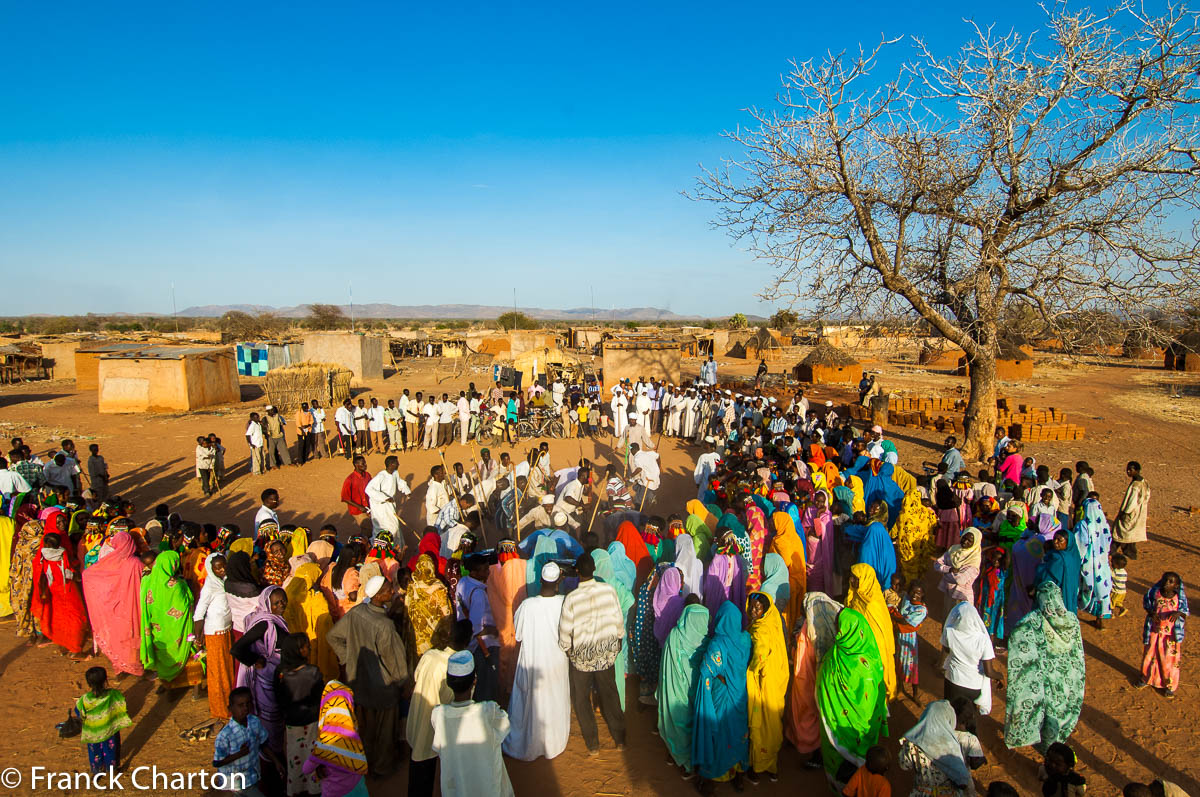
x: 102, y: 711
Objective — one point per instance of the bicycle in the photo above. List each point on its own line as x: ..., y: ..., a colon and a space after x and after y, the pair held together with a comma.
x: 541, y: 425
x: 487, y: 429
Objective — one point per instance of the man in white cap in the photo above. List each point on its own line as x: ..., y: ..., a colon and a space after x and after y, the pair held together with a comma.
x: 367, y: 644
x: 691, y: 414
x: 591, y: 631
x: 540, y: 707
x: 467, y: 736
x: 641, y: 406
x: 471, y: 603
x: 708, y: 372
x: 382, y: 492
x: 706, y: 465
x: 430, y: 690
x: 539, y: 516
x: 655, y: 393
x: 639, y: 434
x: 620, y: 411
x: 674, y: 411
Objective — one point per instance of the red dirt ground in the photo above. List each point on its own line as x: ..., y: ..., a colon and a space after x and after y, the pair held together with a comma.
x: 1123, y: 734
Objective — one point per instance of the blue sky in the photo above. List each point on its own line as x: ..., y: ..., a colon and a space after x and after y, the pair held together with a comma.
x: 274, y: 153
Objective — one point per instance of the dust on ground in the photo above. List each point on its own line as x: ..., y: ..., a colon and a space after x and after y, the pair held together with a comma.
x: 1123, y: 733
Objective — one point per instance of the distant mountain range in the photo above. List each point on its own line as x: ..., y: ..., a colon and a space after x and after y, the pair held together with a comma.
x: 472, y: 312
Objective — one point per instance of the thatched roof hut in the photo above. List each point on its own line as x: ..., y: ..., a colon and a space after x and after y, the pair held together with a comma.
x: 827, y: 364
x: 764, y: 345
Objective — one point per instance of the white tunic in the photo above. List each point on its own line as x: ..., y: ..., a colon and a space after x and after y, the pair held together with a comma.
x: 540, y: 708
x: 467, y: 738
x: 382, y: 487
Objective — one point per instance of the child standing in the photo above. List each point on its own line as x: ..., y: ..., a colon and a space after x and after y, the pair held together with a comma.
x: 238, y: 746
x: 870, y: 780
x: 908, y: 618
x: 477, y: 768
x: 1166, y: 608
x: 1120, y: 580
x: 990, y: 592
x: 102, y: 711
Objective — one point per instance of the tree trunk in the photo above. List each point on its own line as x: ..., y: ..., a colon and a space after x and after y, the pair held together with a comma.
x: 981, y: 408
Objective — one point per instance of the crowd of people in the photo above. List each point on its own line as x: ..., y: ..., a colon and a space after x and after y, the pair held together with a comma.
x: 781, y: 605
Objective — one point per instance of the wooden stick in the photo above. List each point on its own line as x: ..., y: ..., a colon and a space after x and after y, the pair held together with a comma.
x: 594, y: 511
x: 446, y: 470
x: 517, y: 505
x: 642, y: 503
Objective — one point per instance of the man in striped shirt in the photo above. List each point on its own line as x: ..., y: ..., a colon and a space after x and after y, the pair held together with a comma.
x: 591, y: 631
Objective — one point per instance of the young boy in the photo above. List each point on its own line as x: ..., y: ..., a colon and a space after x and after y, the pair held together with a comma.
x: 102, y: 711
x: 238, y: 746
x: 870, y: 780
x: 1058, y: 775
x: 477, y: 768
x: 1120, y: 580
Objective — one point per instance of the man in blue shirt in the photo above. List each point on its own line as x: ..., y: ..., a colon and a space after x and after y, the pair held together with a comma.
x: 471, y: 603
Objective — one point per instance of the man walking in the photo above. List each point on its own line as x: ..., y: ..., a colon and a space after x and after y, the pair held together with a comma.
x: 590, y: 632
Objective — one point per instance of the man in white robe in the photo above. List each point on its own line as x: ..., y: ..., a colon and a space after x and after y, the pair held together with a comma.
x: 691, y: 408
x: 641, y: 407
x: 437, y: 495
x: 675, y: 417
x: 540, y: 707
x: 706, y: 464
x: 382, y: 491
x: 620, y: 412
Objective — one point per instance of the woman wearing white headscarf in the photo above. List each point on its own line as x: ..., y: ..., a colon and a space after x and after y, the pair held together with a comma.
x: 968, y: 658
x: 689, y: 565
x: 934, y: 754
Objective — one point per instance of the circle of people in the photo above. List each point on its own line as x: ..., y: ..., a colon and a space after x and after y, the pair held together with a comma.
x: 782, y: 604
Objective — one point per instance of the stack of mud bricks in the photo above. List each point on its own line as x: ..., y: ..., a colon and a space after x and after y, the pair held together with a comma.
x: 945, y: 414
x: 1034, y: 425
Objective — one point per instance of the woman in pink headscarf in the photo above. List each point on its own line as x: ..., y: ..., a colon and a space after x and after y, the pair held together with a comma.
x: 756, y: 529
x: 112, y: 591
x: 817, y: 522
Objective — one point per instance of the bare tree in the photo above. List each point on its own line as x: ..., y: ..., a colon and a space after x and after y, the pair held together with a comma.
x: 1059, y: 173
x: 244, y: 326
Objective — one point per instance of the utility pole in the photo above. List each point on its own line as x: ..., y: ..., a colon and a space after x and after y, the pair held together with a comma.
x: 174, y: 310
x: 352, y: 307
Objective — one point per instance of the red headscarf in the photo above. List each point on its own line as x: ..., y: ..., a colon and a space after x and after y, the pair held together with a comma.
x: 635, y: 549
x: 431, y: 544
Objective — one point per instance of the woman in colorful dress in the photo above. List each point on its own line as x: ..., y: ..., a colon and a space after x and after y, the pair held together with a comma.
x: 1094, y: 538
x: 114, y: 582
x: 427, y: 600
x: 1166, y: 613
x: 1046, y: 674
x: 58, y: 599
x: 851, y: 698
x: 167, y: 625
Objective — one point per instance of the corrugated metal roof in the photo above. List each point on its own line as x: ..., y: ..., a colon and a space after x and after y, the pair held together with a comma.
x: 103, y: 348
x: 166, y: 352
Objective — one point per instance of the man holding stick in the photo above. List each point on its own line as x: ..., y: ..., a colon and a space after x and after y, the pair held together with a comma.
x: 574, y: 498
x: 381, y: 492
